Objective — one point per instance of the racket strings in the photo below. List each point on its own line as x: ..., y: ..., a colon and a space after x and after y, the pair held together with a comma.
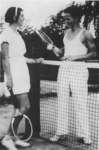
x: 15, y: 124
x: 44, y: 37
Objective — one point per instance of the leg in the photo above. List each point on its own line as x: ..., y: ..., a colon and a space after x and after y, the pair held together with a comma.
x: 80, y: 92
x: 23, y: 102
x: 63, y: 98
x: 24, y: 105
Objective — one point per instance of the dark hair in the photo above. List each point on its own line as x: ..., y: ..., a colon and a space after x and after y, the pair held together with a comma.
x: 12, y: 14
x: 75, y: 11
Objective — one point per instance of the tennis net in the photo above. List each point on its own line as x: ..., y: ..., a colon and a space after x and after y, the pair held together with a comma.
x: 69, y: 103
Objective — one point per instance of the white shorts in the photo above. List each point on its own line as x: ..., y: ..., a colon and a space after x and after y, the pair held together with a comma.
x: 20, y: 75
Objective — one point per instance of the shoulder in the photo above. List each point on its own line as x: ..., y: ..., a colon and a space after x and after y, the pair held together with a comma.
x: 5, y: 33
x: 66, y: 31
x: 87, y: 35
x: 5, y: 36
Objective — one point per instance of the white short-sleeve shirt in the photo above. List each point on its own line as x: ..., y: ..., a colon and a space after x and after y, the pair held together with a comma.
x: 18, y: 66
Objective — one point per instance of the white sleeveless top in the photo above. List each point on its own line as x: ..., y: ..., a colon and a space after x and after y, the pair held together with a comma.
x: 74, y: 47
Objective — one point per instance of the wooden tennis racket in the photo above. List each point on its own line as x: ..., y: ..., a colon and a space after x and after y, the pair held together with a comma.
x: 20, y: 119
x: 44, y: 37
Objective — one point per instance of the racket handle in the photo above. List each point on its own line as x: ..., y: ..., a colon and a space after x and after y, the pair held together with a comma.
x: 13, y: 100
x: 50, y: 47
x: 11, y: 92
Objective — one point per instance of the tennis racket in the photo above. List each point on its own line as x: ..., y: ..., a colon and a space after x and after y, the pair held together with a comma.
x: 18, y: 124
x: 44, y: 37
x: 20, y: 131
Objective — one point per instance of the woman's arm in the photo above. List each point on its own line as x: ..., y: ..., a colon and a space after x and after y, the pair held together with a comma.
x: 6, y: 64
x: 58, y: 52
x: 90, y: 44
x: 32, y: 60
x: 88, y: 41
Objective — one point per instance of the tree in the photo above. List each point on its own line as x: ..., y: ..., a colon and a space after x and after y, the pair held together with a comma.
x: 55, y: 28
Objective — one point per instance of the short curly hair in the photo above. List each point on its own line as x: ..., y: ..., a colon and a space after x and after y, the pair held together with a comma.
x: 75, y: 11
x: 12, y: 15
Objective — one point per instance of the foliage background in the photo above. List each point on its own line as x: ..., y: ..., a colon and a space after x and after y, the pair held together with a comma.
x: 56, y: 27
x: 55, y: 30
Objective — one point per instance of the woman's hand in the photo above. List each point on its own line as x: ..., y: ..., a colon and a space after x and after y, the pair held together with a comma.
x: 55, y: 49
x: 50, y: 47
x: 63, y: 58
x: 9, y: 83
x: 39, y: 60
x: 34, y: 60
x: 67, y: 58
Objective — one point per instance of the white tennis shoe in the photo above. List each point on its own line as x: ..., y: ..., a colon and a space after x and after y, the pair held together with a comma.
x: 21, y: 143
x: 8, y: 143
x: 87, y: 141
x: 55, y: 138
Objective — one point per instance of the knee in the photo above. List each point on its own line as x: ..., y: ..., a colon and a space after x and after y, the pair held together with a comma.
x: 24, y: 109
x: 27, y: 107
x: 24, y: 103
